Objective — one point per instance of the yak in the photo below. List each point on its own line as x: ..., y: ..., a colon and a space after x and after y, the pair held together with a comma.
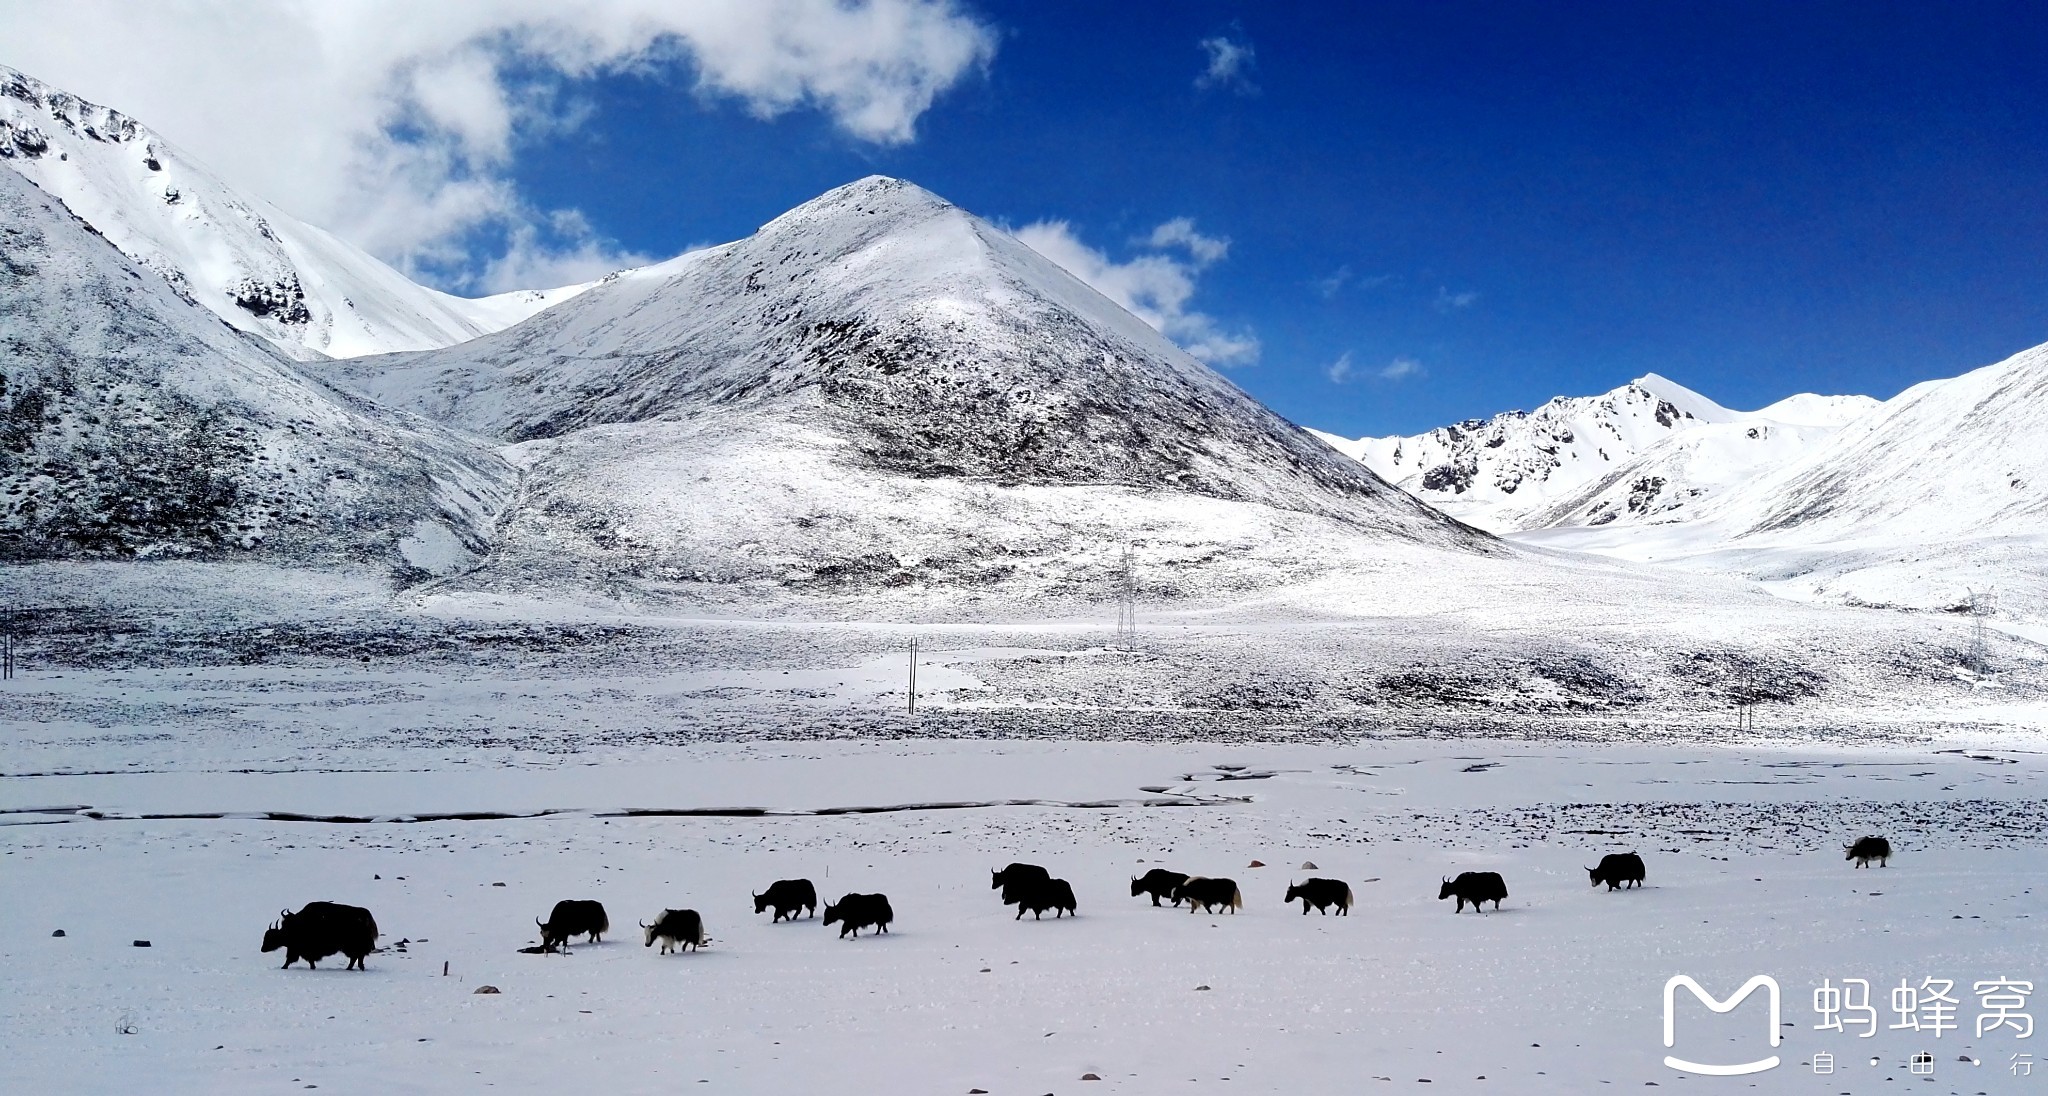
x: 1159, y: 883
x: 1867, y: 849
x: 1052, y: 894
x: 1321, y: 893
x: 572, y: 917
x: 1206, y: 894
x: 676, y: 929
x: 786, y: 896
x: 858, y: 911
x: 1617, y: 870
x: 321, y: 929
x: 1016, y: 875
x: 1474, y: 887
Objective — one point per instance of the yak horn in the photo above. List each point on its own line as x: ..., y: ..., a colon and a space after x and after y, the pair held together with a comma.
x: 538, y: 921
x: 643, y: 924
x: 282, y: 914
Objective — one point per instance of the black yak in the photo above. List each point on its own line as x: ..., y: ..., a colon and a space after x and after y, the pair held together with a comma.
x: 573, y: 917
x: 1053, y: 894
x: 786, y: 896
x: 1867, y: 849
x: 675, y: 928
x: 321, y: 929
x: 1474, y: 887
x: 1016, y: 875
x: 1321, y: 893
x: 1618, y: 869
x: 1206, y: 894
x: 858, y: 911
x: 1159, y: 883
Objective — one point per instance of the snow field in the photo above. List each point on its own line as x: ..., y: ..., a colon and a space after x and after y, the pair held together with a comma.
x: 959, y: 995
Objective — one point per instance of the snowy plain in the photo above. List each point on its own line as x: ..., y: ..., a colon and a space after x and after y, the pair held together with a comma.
x: 186, y: 791
x: 1556, y: 992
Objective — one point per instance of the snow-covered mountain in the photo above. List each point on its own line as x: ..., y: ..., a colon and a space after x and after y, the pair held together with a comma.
x: 881, y: 388
x: 139, y: 425
x: 241, y: 257
x: 1936, y: 492
x: 1578, y: 455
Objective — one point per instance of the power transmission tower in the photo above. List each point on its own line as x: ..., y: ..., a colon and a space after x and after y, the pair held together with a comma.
x: 1127, y: 602
x: 1981, y: 607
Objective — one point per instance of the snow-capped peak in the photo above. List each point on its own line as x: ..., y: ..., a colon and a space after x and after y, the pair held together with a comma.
x: 242, y: 258
x: 1691, y: 403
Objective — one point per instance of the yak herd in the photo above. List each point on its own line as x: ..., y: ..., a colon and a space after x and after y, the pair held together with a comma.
x: 322, y: 929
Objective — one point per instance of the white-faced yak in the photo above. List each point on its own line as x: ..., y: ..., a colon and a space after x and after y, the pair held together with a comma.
x: 675, y: 928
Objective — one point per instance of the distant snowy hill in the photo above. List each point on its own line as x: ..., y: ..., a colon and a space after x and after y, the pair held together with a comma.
x: 138, y: 425
x: 1936, y: 492
x: 240, y: 257
x: 1577, y: 458
x: 878, y: 388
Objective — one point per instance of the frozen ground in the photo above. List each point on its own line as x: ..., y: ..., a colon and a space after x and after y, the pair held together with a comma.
x: 1558, y: 992
x: 177, y: 766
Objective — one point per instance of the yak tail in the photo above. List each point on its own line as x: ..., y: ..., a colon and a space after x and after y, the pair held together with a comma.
x: 1346, y: 903
x: 1236, y: 899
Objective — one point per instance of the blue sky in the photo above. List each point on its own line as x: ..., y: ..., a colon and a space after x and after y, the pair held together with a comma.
x: 1434, y: 210
x: 1515, y: 201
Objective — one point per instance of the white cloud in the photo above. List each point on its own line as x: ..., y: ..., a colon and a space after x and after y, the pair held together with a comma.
x: 564, y: 252
x: 1447, y: 301
x: 396, y: 123
x: 1155, y: 286
x: 1329, y: 287
x: 1344, y: 369
x: 1400, y: 369
x: 1180, y: 232
x: 1230, y: 65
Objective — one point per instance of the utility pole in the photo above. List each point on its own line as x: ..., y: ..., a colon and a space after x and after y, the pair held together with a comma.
x: 913, y: 675
x: 7, y: 646
x: 1745, y: 700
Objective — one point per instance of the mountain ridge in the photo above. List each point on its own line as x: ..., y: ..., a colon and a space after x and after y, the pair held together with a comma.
x: 263, y: 271
x: 1593, y: 459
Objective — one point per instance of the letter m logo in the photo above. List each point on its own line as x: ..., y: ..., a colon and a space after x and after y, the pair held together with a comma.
x: 1763, y: 981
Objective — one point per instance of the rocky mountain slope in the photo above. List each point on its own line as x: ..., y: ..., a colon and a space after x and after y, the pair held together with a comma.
x: 138, y: 425
x: 1598, y: 459
x: 242, y: 258
x: 880, y: 388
